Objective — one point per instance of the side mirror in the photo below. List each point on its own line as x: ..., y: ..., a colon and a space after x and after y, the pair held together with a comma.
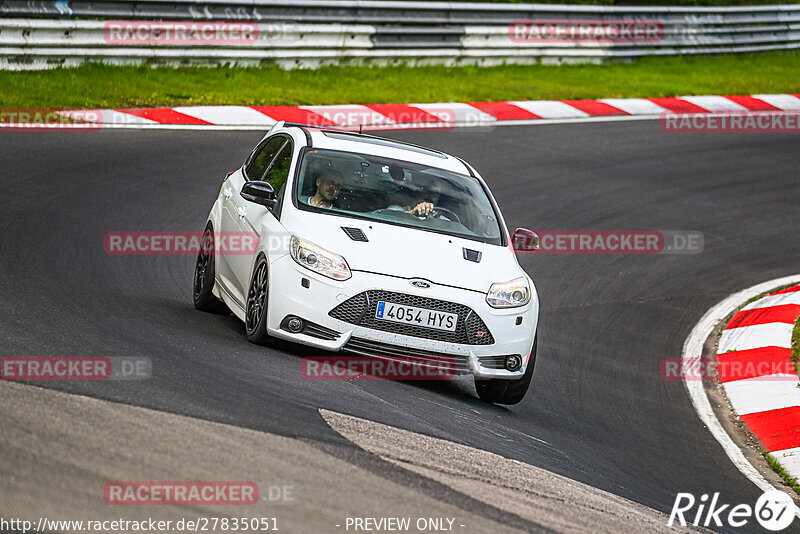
x: 525, y: 240
x: 260, y: 193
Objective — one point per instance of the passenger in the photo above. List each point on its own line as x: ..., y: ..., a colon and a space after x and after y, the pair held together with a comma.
x: 329, y: 184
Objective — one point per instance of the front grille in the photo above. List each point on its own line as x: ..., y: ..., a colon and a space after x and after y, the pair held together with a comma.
x: 363, y: 347
x: 360, y: 310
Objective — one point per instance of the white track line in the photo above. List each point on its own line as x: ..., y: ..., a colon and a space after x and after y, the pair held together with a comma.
x: 693, y: 351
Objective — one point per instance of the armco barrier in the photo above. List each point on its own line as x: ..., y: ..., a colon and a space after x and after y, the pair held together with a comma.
x: 35, y: 34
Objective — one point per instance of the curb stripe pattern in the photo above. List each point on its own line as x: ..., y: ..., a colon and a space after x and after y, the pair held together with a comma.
x: 164, y: 116
x: 747, y: 359
x: 782, y: 313
x: 678, y: 105
x: 778, y: 430
x: 769, y: 403
x: 449, y: 114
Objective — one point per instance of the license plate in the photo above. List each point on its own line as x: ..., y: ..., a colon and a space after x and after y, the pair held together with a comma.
x: 400, y: 313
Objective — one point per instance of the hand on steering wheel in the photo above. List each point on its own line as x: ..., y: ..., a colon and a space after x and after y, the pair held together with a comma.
x: 423, y: 209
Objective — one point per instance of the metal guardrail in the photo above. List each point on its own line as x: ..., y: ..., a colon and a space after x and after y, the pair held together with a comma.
x: 36, y: 34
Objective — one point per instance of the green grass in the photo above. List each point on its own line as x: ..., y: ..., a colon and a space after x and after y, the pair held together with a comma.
x: 103, y: 86
x: 778, y: 468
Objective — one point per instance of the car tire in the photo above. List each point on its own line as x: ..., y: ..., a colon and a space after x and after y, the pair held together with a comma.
x: 255, y: 315
x: 501, y: 391
x: 203, y: 284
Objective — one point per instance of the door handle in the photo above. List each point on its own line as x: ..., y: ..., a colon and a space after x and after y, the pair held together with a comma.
x: 242, y: 211
x: 227, y: 192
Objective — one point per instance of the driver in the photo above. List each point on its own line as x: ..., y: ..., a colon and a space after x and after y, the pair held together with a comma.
x: 329, y: 184
x: 421, y: 201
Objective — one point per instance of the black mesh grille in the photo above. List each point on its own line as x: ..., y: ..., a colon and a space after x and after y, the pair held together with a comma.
x: 360, y: 310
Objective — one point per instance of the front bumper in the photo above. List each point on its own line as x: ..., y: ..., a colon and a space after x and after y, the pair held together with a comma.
x: 288, y: 296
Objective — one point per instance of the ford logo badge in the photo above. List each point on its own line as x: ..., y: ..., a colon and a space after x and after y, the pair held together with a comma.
x: 420, y: 283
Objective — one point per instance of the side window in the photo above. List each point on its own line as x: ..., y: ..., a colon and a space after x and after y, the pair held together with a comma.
x: 279, y: 170
x: 262, y: 157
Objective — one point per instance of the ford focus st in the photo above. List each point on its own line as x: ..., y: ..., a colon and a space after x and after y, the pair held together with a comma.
x: 377, y: 248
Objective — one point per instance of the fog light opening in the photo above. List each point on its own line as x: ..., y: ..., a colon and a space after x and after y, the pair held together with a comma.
x: 514, y: 362
x: 295, y: 325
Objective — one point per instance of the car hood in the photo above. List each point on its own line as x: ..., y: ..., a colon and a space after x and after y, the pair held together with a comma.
x: 407, y: 252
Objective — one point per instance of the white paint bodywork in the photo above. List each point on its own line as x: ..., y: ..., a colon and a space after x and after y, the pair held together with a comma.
x: 388, y: 261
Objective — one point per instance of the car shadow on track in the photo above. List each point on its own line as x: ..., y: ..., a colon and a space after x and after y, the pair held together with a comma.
x: 458, y: 388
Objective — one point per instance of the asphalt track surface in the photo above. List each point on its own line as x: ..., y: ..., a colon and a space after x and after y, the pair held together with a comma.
x: 598, y: 410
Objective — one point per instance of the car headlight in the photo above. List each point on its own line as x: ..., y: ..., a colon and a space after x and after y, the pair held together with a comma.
x: 509, y: 294
x: 319, y: 260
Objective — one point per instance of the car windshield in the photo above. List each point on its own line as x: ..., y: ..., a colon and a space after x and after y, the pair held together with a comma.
x: 396, y: 192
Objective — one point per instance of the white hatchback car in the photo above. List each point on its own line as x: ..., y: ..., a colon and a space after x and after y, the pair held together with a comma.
x: 374, y: 247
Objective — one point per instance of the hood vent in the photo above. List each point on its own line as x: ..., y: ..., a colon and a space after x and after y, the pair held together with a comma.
x: 472, y: 255
x: 356, y: 234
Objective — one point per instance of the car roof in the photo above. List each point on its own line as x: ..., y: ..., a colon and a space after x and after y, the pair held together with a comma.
x: 349, y: 141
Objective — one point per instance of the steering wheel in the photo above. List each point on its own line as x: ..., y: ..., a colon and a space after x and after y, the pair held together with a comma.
x: 450, y: 214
